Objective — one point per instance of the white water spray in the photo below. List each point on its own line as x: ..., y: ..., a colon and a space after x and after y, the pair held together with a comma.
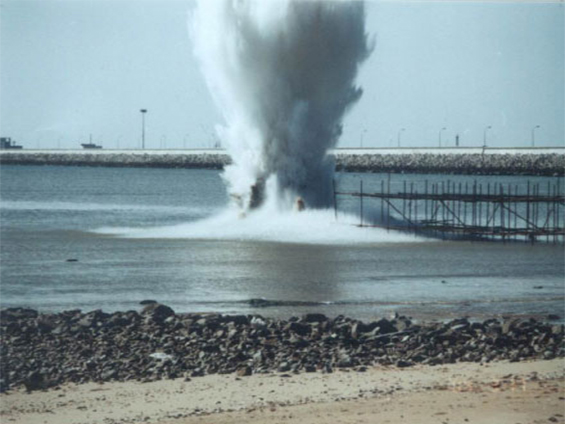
x: 283, y: 74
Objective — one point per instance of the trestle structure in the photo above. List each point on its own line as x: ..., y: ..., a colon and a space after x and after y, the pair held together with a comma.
x: 524, y: 212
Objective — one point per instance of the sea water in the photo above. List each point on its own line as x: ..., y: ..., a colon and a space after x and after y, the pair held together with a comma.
x: 90, y: 238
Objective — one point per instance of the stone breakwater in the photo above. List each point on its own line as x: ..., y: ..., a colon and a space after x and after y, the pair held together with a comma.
x: 45, y: 350
x: 466, y: 164
x: 548, y: 164
x: 125, y: 160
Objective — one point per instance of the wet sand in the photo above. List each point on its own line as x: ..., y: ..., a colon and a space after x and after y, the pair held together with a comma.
x: 501, y: 392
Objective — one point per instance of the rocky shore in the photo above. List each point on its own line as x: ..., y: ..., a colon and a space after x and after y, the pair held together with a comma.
x: 45, y: 350
x: 547, y: 164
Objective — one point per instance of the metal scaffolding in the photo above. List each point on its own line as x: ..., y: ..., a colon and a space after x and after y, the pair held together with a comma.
x: 505, y: 212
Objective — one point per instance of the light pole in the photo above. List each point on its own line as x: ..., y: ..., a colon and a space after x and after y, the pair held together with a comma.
x: 534, y: 135
x: 399, y: 133
x: 218, y: 142
x: 184, y: 140
x: 485, y: 136
x: 362, y: 134
x: 143, y: 112
x: 439, y: 137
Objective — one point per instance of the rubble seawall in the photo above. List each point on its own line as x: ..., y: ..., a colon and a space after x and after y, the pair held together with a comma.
x: 546, y: 164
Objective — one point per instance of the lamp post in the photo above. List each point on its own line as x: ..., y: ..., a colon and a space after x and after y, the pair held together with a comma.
x: 485, y: 136
x: 143, y: 112
x: 362, y: 134
x: 534, y: 135
x: 439, y: 137
x: 399, y: 133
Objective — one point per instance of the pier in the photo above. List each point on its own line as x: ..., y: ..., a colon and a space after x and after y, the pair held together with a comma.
x: 522, y: 212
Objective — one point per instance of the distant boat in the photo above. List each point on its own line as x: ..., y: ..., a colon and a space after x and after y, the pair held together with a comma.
x: 8, y: 143
x: 90, y: 146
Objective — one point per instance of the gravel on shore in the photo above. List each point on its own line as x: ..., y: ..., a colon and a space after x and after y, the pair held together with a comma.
x: 45, y: 350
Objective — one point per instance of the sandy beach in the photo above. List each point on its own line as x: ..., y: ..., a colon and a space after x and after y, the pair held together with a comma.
x: 163, y: 368
x: 501, y: 392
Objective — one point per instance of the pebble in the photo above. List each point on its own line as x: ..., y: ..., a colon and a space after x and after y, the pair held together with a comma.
x: 40, y: 351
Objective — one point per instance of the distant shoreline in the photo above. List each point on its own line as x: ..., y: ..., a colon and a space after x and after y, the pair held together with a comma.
x: 464, y: 161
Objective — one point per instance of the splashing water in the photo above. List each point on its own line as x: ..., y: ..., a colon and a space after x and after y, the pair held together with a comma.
x: 268, y: 224
x: 283, y: 74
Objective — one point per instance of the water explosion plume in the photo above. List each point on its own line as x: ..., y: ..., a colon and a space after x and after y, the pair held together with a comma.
x: 283, y: 74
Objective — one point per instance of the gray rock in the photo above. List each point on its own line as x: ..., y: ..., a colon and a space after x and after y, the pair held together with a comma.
x: 98, y: 347
x: 345, y: 362
x: 284, y: 367
x: 315, y: 318
x: 298, y: 328
x: 109, y: 375
x: 237, y: 319
x: 157, y: 312
x: 13, y: 314
x: 35, y: 381
x: 244, y: 371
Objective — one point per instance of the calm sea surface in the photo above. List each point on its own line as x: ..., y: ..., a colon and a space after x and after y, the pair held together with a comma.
x: 164, y: 234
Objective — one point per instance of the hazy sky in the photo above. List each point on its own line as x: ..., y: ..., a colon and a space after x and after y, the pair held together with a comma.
x: 79, y: 67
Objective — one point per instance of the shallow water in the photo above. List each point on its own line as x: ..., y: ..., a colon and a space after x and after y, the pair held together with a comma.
x: 166, y: 234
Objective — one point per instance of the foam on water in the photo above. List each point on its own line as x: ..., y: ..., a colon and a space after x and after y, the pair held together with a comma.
x: 316, y: 226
